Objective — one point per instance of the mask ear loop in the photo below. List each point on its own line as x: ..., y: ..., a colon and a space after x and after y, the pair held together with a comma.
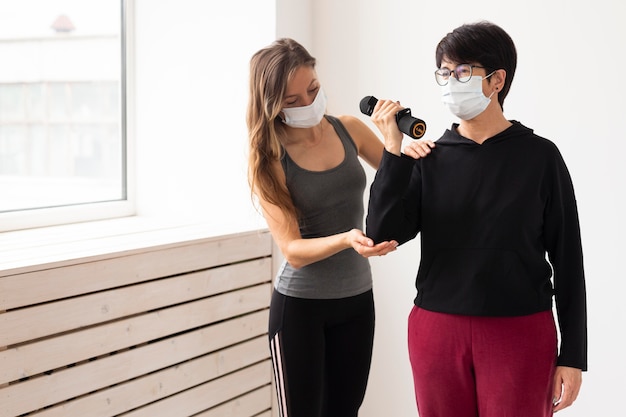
x: 496, y: 89
x: 493, y: 92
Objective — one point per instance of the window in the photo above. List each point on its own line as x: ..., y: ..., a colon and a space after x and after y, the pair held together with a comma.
x: 63, y: 133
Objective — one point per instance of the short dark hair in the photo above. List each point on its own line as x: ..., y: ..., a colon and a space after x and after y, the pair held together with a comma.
x: 482, y: 43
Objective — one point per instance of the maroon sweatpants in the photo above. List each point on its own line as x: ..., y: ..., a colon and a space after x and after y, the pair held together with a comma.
x: 469, y: 366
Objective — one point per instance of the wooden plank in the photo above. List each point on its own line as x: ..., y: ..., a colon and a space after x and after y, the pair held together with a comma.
x: 32, y: 250
x: 36, y: 358
x: 248, y: 405
x: 132, y: 364
x: 157, y: 324
x: 207, y: 395
x: 55, y: 388
x: 51, y: 318
x: 157, y: 386
x: 2, y: 350
x: 80, y: 278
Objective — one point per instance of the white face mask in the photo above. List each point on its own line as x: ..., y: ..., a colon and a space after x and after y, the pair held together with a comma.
x: 465, y: 100
x: 306, y: 116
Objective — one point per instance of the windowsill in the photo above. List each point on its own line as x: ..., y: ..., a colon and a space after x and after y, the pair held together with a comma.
x: 25, y: 250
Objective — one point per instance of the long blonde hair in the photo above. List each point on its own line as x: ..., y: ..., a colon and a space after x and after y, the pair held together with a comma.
x: 271, y: 68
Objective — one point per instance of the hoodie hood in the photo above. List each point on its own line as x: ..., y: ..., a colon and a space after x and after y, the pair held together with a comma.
x: 451, y: 137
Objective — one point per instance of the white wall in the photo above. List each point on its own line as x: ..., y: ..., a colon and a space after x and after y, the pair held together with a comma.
x: 191, y: 87
x: 568, y: 87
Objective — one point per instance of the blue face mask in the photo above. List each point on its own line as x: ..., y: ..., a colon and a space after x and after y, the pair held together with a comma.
x: 306, y: 116
x: 465, y: 100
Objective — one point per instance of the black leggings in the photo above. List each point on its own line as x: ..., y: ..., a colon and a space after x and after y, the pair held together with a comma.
x: 321, y: 352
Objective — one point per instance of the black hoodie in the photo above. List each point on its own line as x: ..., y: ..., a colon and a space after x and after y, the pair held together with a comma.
x: 497, y: 221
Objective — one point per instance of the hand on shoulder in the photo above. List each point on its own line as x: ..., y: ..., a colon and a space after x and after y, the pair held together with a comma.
x: 419, y: 148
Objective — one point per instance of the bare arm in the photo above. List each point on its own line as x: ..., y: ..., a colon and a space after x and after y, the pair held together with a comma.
x: 368, y: 144
x: 300, y: 252
x: 370, y: 147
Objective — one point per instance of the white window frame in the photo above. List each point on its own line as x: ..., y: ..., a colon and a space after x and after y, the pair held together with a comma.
x: 42, y: 217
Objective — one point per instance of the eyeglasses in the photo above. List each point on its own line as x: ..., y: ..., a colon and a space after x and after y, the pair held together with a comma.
x: 462, y: 73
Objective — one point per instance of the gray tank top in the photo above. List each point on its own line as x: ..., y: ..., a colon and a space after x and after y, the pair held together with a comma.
x: 330, y: 202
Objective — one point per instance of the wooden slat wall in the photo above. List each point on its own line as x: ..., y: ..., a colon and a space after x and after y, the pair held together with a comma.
x: 176, y: 330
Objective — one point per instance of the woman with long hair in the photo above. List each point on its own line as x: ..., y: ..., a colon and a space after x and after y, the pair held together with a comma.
x: 305, y: 173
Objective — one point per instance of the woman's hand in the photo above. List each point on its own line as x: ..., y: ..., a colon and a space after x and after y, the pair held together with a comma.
x: 419, y: 148
x: 384, y: 117
x: 567, y: 382
x: 365, y: 246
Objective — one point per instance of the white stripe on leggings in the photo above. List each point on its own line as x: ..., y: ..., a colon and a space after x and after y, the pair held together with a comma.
x: 278, y: 375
